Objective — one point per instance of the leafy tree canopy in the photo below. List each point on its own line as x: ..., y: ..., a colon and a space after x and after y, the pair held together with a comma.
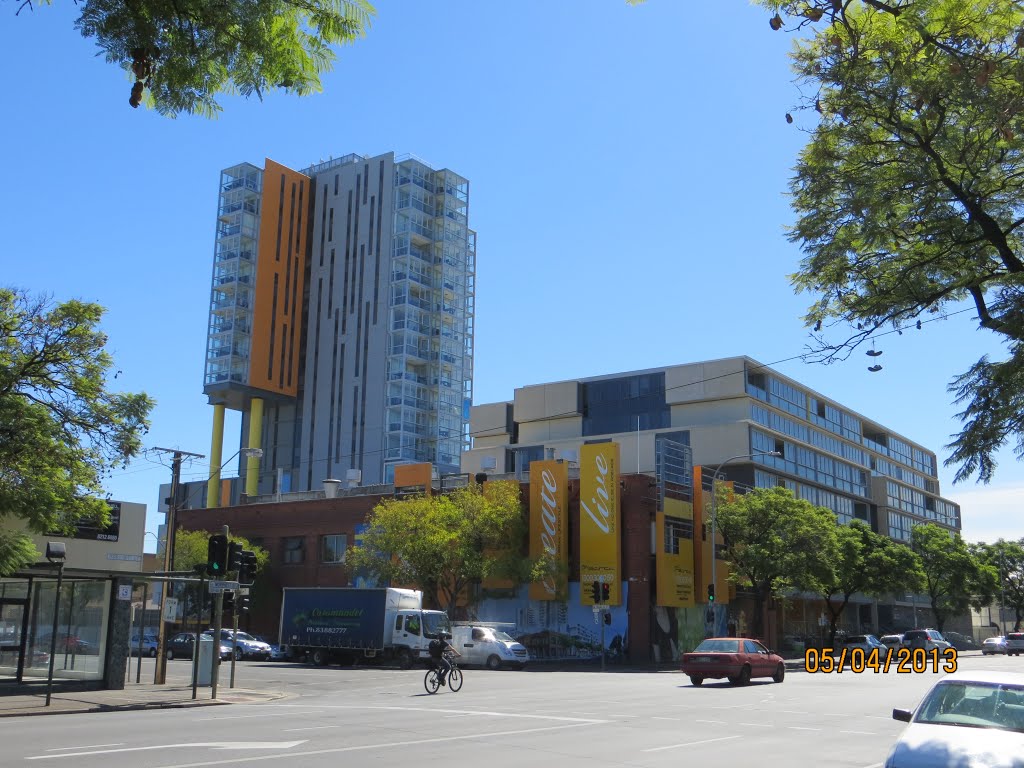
x: 61, y: 429
x: 777, y: 542
x: 442, y: 544
x: 1007, y: 557
x: 182, y: 54
x: 954, y: 578
x: 909, y: 194
x: 870, y: 564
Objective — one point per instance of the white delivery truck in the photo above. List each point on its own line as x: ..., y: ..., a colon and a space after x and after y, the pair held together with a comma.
x: 325, y: 624
x: 488, y: 645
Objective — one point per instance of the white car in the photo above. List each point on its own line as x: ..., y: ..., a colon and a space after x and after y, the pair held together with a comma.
x: 1014, y: 643
x: 866, y: 643
x: 967, y: 720
x: 928, y: 639
x: 246, y: 646
x: 892, y: 641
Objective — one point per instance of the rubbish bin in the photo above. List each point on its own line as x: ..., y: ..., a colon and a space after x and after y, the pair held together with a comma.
x: 204, y: 675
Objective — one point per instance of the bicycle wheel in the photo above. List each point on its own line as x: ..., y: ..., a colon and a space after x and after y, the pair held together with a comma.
x: 431, y: 681
x: 455, y: 679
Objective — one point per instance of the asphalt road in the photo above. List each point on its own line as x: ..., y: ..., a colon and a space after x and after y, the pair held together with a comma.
x: 383, y: 717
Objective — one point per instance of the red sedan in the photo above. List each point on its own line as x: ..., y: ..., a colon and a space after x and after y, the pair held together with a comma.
x: 736, y: 658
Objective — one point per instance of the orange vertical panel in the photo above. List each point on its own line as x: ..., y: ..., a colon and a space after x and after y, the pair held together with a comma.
x: 274, y: 355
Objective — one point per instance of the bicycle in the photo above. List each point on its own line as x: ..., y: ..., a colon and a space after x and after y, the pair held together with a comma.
x: 432, y: 680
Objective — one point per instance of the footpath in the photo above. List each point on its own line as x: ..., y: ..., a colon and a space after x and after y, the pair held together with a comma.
x: 31, y: 700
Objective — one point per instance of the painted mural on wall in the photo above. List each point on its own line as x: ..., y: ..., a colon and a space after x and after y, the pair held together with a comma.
x: 554, y: 631
x: 680, y: 630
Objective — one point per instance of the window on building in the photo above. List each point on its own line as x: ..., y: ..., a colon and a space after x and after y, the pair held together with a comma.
x: 292, y: 550
x: 333, y: 547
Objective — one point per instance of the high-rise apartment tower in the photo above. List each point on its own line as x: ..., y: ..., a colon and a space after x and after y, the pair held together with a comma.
x: 341, y: 320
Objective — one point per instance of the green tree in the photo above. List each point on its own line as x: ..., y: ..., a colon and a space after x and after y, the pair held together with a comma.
x: 61, y: 429
x: 776, y: 543
x: 954, y: 578
x: 183, y: 53
x: 1007, y: 558
x: 869, y: 564
x: 443, y: 544
x: 908, y: 193
x: 190, y: 550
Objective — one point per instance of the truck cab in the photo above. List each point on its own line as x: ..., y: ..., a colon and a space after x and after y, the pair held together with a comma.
x: 488, y: 646
x: 413, y: 630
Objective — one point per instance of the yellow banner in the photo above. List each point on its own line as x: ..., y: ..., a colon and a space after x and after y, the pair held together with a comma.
x: 600, y: 539
x: 549, y: 534
x: 674, y: 555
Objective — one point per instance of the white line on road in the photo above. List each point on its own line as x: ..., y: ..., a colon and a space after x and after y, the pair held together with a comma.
x: 690, y: 743
x: 245, y: 717
x: 673, y: 719
x: 210, y: 744
x: 713, y: 722
x: 440, y: 740
x: 861, y: 733
x: 363, y: 708
x: 87, y: 746
x: 794, y: 712
x: 801, y: 728
x: 757, y: 725
x: 311, y: 728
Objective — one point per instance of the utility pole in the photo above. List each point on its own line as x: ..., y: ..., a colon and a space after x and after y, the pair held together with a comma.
x: 161, y: 642
x: 218, y: 608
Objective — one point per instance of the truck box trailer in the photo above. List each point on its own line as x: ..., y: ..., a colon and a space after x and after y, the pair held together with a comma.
x: 342, y: 624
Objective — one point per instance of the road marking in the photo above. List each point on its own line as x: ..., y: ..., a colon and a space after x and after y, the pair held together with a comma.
x: 311, y: 728
x: 801, y: 728
x: 793, y: 712
x: 580, y: 720
x: 862, y: 733
x: 87, y: 746
x: 713, y: 722
x: 210, y: 744
x: 757, y: 725
x: 440, y: 740
x: 242, y: 717
x: 673, y: 719
x: 690, y: 743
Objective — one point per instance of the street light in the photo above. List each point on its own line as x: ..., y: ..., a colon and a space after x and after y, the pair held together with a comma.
x: 714, y: 521
x: 56, y: 551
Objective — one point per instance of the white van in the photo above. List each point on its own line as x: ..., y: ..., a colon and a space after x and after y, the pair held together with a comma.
x: 488, y: 646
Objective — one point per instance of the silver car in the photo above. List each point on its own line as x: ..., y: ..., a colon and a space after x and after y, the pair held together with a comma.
x: 991, y: 646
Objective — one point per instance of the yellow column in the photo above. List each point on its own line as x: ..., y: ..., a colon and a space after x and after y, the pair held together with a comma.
x: 252, y: 464
x: 216, y: 447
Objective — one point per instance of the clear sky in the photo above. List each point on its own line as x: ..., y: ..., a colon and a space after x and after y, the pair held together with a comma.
x: 628, y: 170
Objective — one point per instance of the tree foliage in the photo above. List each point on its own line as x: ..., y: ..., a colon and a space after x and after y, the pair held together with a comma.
x: 909, y: 193
x: 776, y: 542
x: 954, y: 578
x: 443, y: 544
x: 1007, y: 558
x: 61, y: 429
x: 183, y: 53
x: 866, y: 563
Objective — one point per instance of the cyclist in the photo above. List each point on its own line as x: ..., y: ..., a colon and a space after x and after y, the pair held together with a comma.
x: 437, y: 648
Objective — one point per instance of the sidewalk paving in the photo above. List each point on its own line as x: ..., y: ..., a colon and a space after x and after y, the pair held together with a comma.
x: 134, y: 696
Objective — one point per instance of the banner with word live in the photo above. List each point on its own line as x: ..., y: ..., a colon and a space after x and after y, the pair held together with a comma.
x: 600, y: 536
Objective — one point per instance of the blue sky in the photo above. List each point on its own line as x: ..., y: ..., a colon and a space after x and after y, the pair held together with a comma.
x: 628, y: 169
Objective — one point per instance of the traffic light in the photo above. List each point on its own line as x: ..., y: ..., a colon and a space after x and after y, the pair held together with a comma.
x: 217, y: 555
x: 234, y: 557
x: 247, y: 571
x: 607, y: 617
x: 243, y: 603
x: 711, y: 593
x: 595, y: 591
x: 605, y: 592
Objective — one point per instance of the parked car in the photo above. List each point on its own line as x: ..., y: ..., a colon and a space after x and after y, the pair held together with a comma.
x: 967, y: 719
x: 737, y: 659
x: 928, y: 639
x: 149, y: 645
x: 990, y: 646
x: 1014, y: 643
x: 276, y: 652
x: 246, y: 646
x: 891, y: 641
x: 182, y: 646
x: 866, y: 643
x: 67, y: 643
x: 961, y: 642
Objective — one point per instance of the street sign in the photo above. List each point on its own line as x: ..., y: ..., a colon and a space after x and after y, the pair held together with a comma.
x: 171, y: 609
x: 223, y: 586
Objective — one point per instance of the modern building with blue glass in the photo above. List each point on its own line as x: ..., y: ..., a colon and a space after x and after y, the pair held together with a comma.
x: 732, y: 413
x: 341, y: 321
